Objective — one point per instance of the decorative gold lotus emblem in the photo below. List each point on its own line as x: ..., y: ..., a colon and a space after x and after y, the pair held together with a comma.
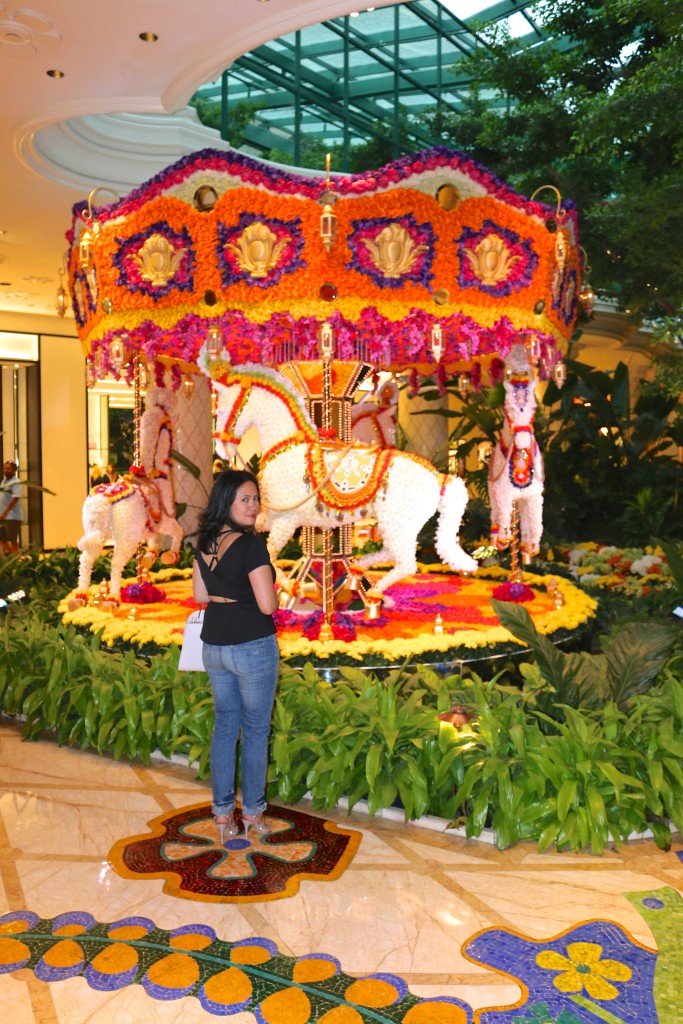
x: 393, y: 251
x: 158, y: 260
x: 492, y: 260
x: 258, y: 249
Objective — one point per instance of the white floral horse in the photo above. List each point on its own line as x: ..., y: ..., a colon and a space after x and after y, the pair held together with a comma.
x: 516, y: 467
x: 373, y: 418
x: 309, y: 482
x: 135, y: 508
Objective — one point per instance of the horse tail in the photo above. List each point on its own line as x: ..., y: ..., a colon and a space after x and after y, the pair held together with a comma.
x: 452, y: 504
x: 96, y: 523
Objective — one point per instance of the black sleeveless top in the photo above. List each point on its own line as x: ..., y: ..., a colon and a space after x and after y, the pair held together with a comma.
x: 241, y: 620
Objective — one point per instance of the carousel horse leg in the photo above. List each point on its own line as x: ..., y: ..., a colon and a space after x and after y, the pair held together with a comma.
x: 124, y: 549
x: 501, y: 518
x: 282, y: 529
x: 374, y: 558
x: 531, y: 525
x: 172, y: 529
x: 129, y: 524
x: 91, y: 545
x: 399, y: 534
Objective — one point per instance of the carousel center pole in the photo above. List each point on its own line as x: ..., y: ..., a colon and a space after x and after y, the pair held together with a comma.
x: 141, y: 571
x: 326, y: 342
x: 515, y: 566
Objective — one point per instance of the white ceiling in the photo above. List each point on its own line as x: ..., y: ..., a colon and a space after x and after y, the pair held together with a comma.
x: 58, y: 139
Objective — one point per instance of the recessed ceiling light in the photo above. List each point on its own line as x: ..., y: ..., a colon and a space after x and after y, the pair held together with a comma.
x: 149, y: 37
x: 354, y: 14
x: 54, y: 73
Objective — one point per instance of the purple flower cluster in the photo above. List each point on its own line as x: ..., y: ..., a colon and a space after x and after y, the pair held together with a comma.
x: 275, y: 179
x: 343, y: 627
x: 519, y: 593
x: 372, y: 337
x: 142, y: 593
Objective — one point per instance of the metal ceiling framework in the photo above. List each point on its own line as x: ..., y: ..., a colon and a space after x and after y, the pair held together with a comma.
x: 345, y: 81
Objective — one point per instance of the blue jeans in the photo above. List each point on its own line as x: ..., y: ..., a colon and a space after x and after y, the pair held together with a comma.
x: 243, y: 679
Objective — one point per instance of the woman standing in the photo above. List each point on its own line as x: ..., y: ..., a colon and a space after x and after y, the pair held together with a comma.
x: 233, y: 576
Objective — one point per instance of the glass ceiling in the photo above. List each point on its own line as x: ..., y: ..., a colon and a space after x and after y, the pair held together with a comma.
x: 353, y: 79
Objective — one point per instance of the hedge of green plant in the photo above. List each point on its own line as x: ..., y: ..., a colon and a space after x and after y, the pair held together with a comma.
x: 578, y: 751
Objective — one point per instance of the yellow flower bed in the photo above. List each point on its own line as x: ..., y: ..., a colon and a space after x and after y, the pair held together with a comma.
x: 162, y: 623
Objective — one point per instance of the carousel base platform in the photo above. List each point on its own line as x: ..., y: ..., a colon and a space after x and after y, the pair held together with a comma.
x: 434, y: 617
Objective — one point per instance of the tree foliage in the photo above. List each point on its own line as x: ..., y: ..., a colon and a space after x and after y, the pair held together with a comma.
x: 598, y: 117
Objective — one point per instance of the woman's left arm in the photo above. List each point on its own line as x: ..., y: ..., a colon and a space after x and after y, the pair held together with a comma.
x: 199, y: 591
x: 261, y: 580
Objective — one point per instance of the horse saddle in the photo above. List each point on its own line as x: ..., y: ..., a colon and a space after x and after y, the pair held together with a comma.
x: 347, y: 475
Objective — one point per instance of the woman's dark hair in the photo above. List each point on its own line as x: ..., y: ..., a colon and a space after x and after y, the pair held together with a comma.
x: 216, y: 515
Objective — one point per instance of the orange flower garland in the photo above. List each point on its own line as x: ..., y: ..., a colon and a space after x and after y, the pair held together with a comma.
x: 114, y: 295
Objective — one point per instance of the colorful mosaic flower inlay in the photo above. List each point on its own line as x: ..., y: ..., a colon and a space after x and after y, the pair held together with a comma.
x: 593, y: 973
x: 185, y: 849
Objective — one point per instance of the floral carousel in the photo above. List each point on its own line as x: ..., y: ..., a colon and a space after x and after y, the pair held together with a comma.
x: 247, y: 306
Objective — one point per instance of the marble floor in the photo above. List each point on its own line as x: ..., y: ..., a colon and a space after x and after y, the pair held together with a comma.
x: 408, y: 904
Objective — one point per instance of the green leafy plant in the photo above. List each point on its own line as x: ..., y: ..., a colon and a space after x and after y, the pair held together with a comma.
x: 575, y: 751
x: 632, y: 659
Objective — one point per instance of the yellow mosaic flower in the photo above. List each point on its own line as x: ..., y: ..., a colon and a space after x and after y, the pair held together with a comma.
x: 583, y: 968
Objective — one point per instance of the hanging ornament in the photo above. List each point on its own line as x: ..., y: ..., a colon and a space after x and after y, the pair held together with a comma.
x: 326, y: 340
x: 437, y: 341
x: 328, y: 218
x: 587, y: 298
x: 117, y: 351
x: 188, y: 385
x: 560, y: 373
x: 86, y: 256
x: 463, y: 385
x: 534, y: 350
x: 61, y: 299
x: 214, y: 342
x: 586, y: 295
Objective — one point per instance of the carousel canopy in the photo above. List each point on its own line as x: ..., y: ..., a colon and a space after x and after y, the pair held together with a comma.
x: 430, y: 258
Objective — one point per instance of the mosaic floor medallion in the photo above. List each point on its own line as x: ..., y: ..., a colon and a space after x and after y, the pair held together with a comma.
x: 226, y: 977
x: 184, y: 848
x: 593, y: 973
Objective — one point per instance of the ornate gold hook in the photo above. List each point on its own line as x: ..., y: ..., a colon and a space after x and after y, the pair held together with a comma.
x: 541, y: 188
x: 93, y: 193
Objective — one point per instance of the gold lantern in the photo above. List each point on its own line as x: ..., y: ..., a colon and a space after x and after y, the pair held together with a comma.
x: 328, y: 218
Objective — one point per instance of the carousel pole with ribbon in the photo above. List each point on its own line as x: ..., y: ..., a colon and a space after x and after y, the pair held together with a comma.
x: 326, y: 346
